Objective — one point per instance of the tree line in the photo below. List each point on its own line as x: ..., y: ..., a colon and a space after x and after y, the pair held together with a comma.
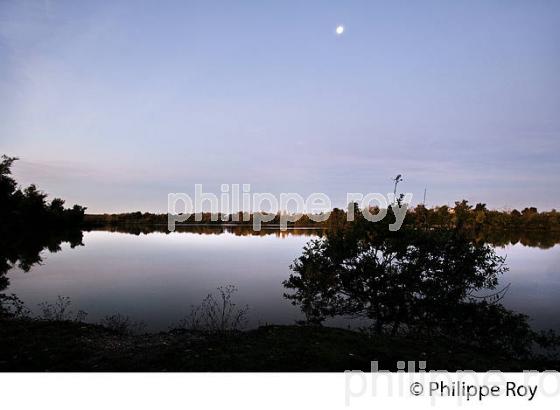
x: 463, y: 215
x: 28, y: 208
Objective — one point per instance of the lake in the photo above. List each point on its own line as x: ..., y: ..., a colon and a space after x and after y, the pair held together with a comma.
x: 157, y: 277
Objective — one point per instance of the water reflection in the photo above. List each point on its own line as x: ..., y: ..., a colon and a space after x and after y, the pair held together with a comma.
x: 156, y: 278
x: 23, y: 249
x: 153, y: 276
x: 414, y: 283
x: 237, y: 230
x: 531, y: 238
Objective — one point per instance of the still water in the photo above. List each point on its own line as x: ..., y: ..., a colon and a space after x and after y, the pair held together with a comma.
x: 157, y: 277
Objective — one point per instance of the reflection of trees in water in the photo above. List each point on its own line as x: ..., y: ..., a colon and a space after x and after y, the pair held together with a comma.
x: 29, y: 224
x: 411, y: 282
x: 23, y: 249
x: 498, y: 237
x: 533, y: 238
x: 237, y: 230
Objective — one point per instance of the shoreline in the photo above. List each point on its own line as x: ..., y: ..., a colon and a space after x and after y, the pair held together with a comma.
x: 39, y: 345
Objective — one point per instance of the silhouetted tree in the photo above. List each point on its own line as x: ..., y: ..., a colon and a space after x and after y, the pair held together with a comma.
x: 416, y: 282
x: 29, y: 208
x: 29, y: 224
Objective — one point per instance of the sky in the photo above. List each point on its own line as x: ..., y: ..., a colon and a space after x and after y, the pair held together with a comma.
x: 113, y: 105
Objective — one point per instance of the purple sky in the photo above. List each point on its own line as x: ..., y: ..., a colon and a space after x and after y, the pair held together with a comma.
x: 115, y: 104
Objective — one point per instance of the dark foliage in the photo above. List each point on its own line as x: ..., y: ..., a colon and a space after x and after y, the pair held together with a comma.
x: 28, y: 225
x: 414, y: 282
x: 28, y: 208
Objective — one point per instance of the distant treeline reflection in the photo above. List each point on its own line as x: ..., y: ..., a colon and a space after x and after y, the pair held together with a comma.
x: 543, y: 239
x: 237, y: 230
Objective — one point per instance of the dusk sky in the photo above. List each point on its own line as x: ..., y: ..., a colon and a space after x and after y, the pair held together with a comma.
x: 114, y: 104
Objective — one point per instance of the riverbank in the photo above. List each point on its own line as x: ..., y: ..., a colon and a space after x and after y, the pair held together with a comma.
x: 35, y: 345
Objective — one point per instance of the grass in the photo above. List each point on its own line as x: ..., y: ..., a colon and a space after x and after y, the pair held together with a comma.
x: 37, y: 345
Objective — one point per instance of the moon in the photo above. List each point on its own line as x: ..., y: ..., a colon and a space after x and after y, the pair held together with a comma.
x: 339, y: 29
